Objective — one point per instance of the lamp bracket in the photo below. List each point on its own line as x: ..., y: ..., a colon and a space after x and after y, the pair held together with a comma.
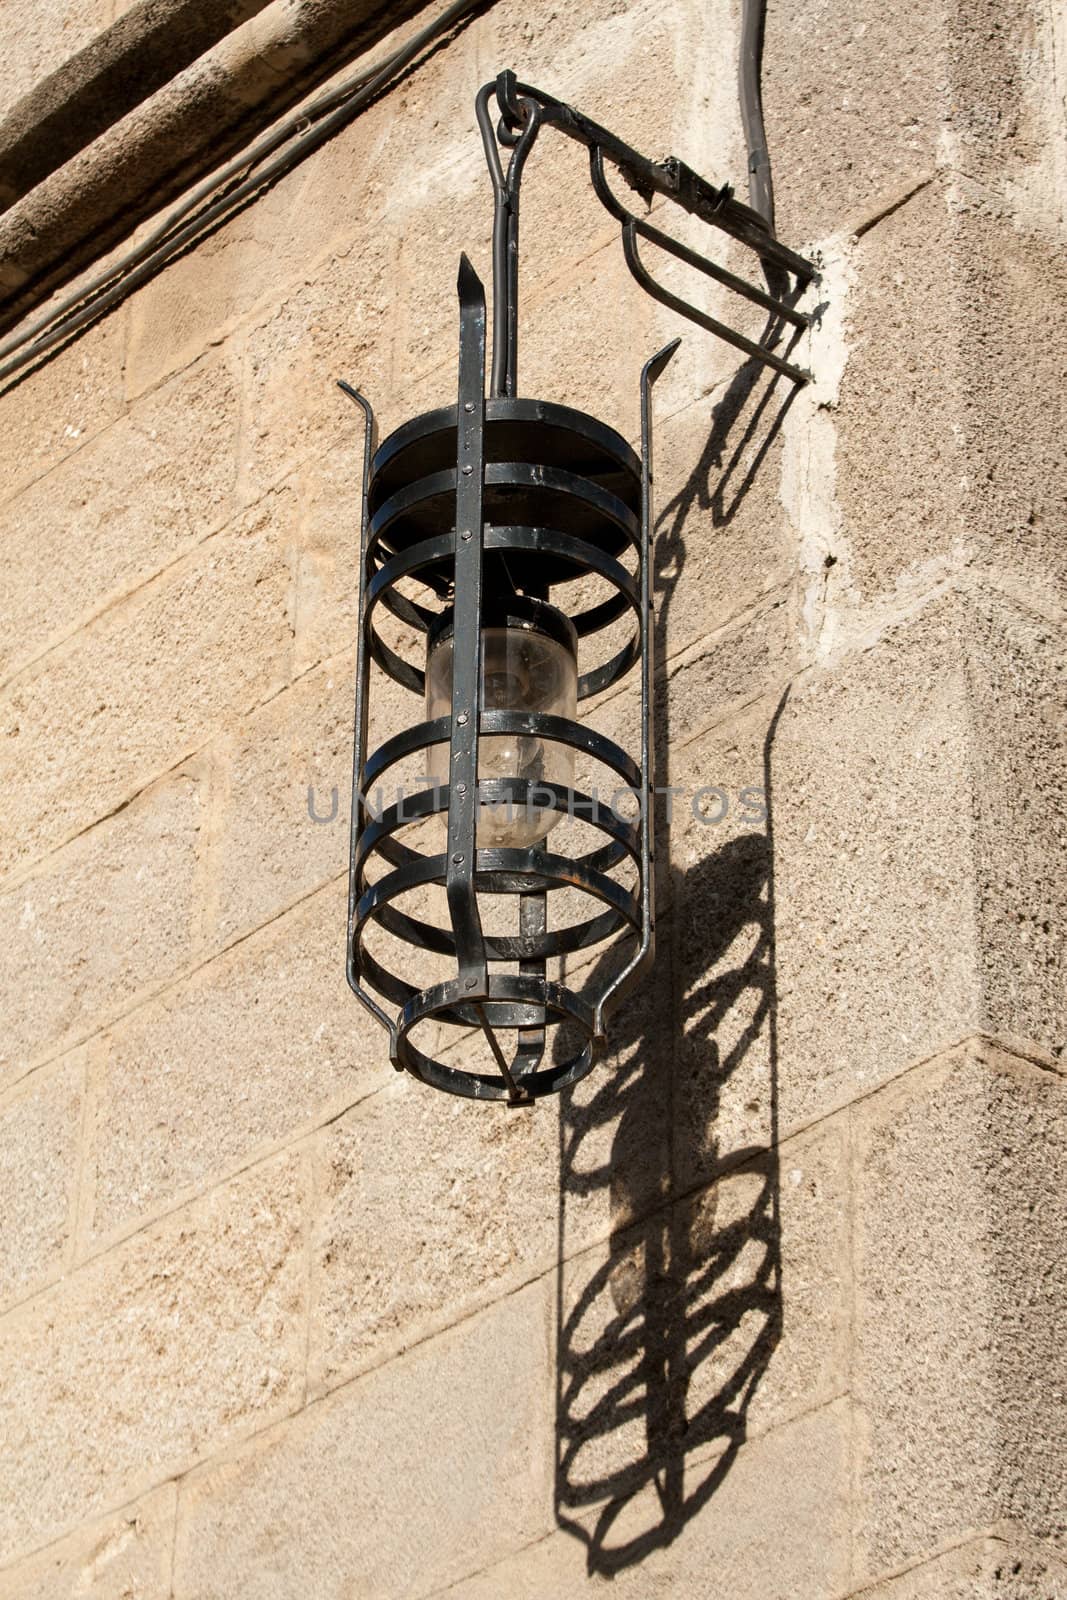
x: 522, y: 111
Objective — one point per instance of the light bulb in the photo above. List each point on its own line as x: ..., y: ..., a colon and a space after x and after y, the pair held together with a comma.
x: 528, y: 663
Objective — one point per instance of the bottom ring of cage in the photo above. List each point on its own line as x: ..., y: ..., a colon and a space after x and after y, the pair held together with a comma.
x: 529, y: 1004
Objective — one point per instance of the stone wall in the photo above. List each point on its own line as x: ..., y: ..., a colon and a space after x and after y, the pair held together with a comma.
x: 772, y: 1305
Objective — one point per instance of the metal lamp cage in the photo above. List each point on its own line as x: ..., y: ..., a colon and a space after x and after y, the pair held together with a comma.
x: 520, y: 497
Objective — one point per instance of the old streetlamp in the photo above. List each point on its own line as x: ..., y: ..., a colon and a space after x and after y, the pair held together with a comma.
x: 479, y: 521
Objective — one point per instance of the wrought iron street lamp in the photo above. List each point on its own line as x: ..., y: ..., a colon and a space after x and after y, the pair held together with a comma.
x: 478, y: 520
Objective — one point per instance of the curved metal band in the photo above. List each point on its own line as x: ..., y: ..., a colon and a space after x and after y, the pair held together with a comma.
x: 555, y: 871
x: 501, y: 411
x: 518, y: 870
x: 508, y: 475
x: 537, y: 724
x: 532, y: 540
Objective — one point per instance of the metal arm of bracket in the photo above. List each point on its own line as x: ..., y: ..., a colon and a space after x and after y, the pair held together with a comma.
x: 524, y: 111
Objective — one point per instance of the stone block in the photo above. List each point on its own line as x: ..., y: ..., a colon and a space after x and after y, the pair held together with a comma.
x: 126, y: 1556
x: 901, y: 777
x: 618, y: 63
x: 855, y: 102
x: 251, y: 263
x: 768, y: 1519
x: 40, y: 1134
x: 763, y: 1258
x: 716, y: 679
x: 707, y: 1323
x: 614, y: 1147
x: 995, y: 1568
x: 723, y: 543
x: 43, y: 40
x: 440, y: 216
x: 960, y: 1288
x: 875, y: 946
x: 335, y: 322
x: 260, y: 1045
x: 51, y: 412
x: 145, y: 684
x: 956, y: 320
x: 900, y: 401
x: 289, y: 759
x: 1012, y: 292
x: 132, y: 500
x: 315, y: 1507
x: 327, y: 570
x: 1017, y: 669
x: 428, y: 1205
x: 126, y: 1372
x: 571, y: 351
x: 102, y: 921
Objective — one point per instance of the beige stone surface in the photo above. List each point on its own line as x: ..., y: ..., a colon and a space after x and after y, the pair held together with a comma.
x: 189, y: 1335
x: 1004, y: 1567
x: 959, y: 1365
x: 157, y: 482
x: 769, y: 1519
x: 148, y: 682
x: 767, y: 1263
x: 42, y: 37
x: 854, y: 100
x: 770, y: 1304
x: 126, y: 1556
x: 435, y: 1464
x: 51, y: 413
x: 956, y: 313
x: 926, y: 769
x: 723, y: 543
x: 1017, y: 673
x: 327, y: 570
x: 243, y: 1057
x: 335, y: 323
x: 40, y: 1135
x: 427, y: 1206
x: 1013, y: 328
x: 109, y: 917
x: 876, y: 948
x: 267, y: 850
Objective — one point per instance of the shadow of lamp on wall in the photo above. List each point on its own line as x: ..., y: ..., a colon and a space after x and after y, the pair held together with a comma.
x: 506, y: 577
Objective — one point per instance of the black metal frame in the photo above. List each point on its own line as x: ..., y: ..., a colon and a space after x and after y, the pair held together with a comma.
x: 502, y: 494
x: 523, y: 112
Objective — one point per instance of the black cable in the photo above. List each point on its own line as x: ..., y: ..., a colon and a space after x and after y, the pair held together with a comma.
x: 310, y: 128
x: 750, y: 58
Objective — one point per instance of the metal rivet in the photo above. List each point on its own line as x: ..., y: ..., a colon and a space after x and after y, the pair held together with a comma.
x: 457, y: 860
x: 465, y: 535
x: 462, y: 719
x: 461, y: 788
x: 472, y: 983
x: 467, y: 471
x: 468, y: 405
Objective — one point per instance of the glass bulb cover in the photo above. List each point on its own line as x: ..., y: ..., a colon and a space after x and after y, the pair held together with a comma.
x: 523, y: 668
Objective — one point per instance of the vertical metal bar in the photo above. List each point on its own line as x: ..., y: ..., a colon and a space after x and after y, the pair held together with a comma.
x: 643, y: 954
x: 357, y: 813
x: 466, y: 638
x: 533, y: 921
x: 498, y: 380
